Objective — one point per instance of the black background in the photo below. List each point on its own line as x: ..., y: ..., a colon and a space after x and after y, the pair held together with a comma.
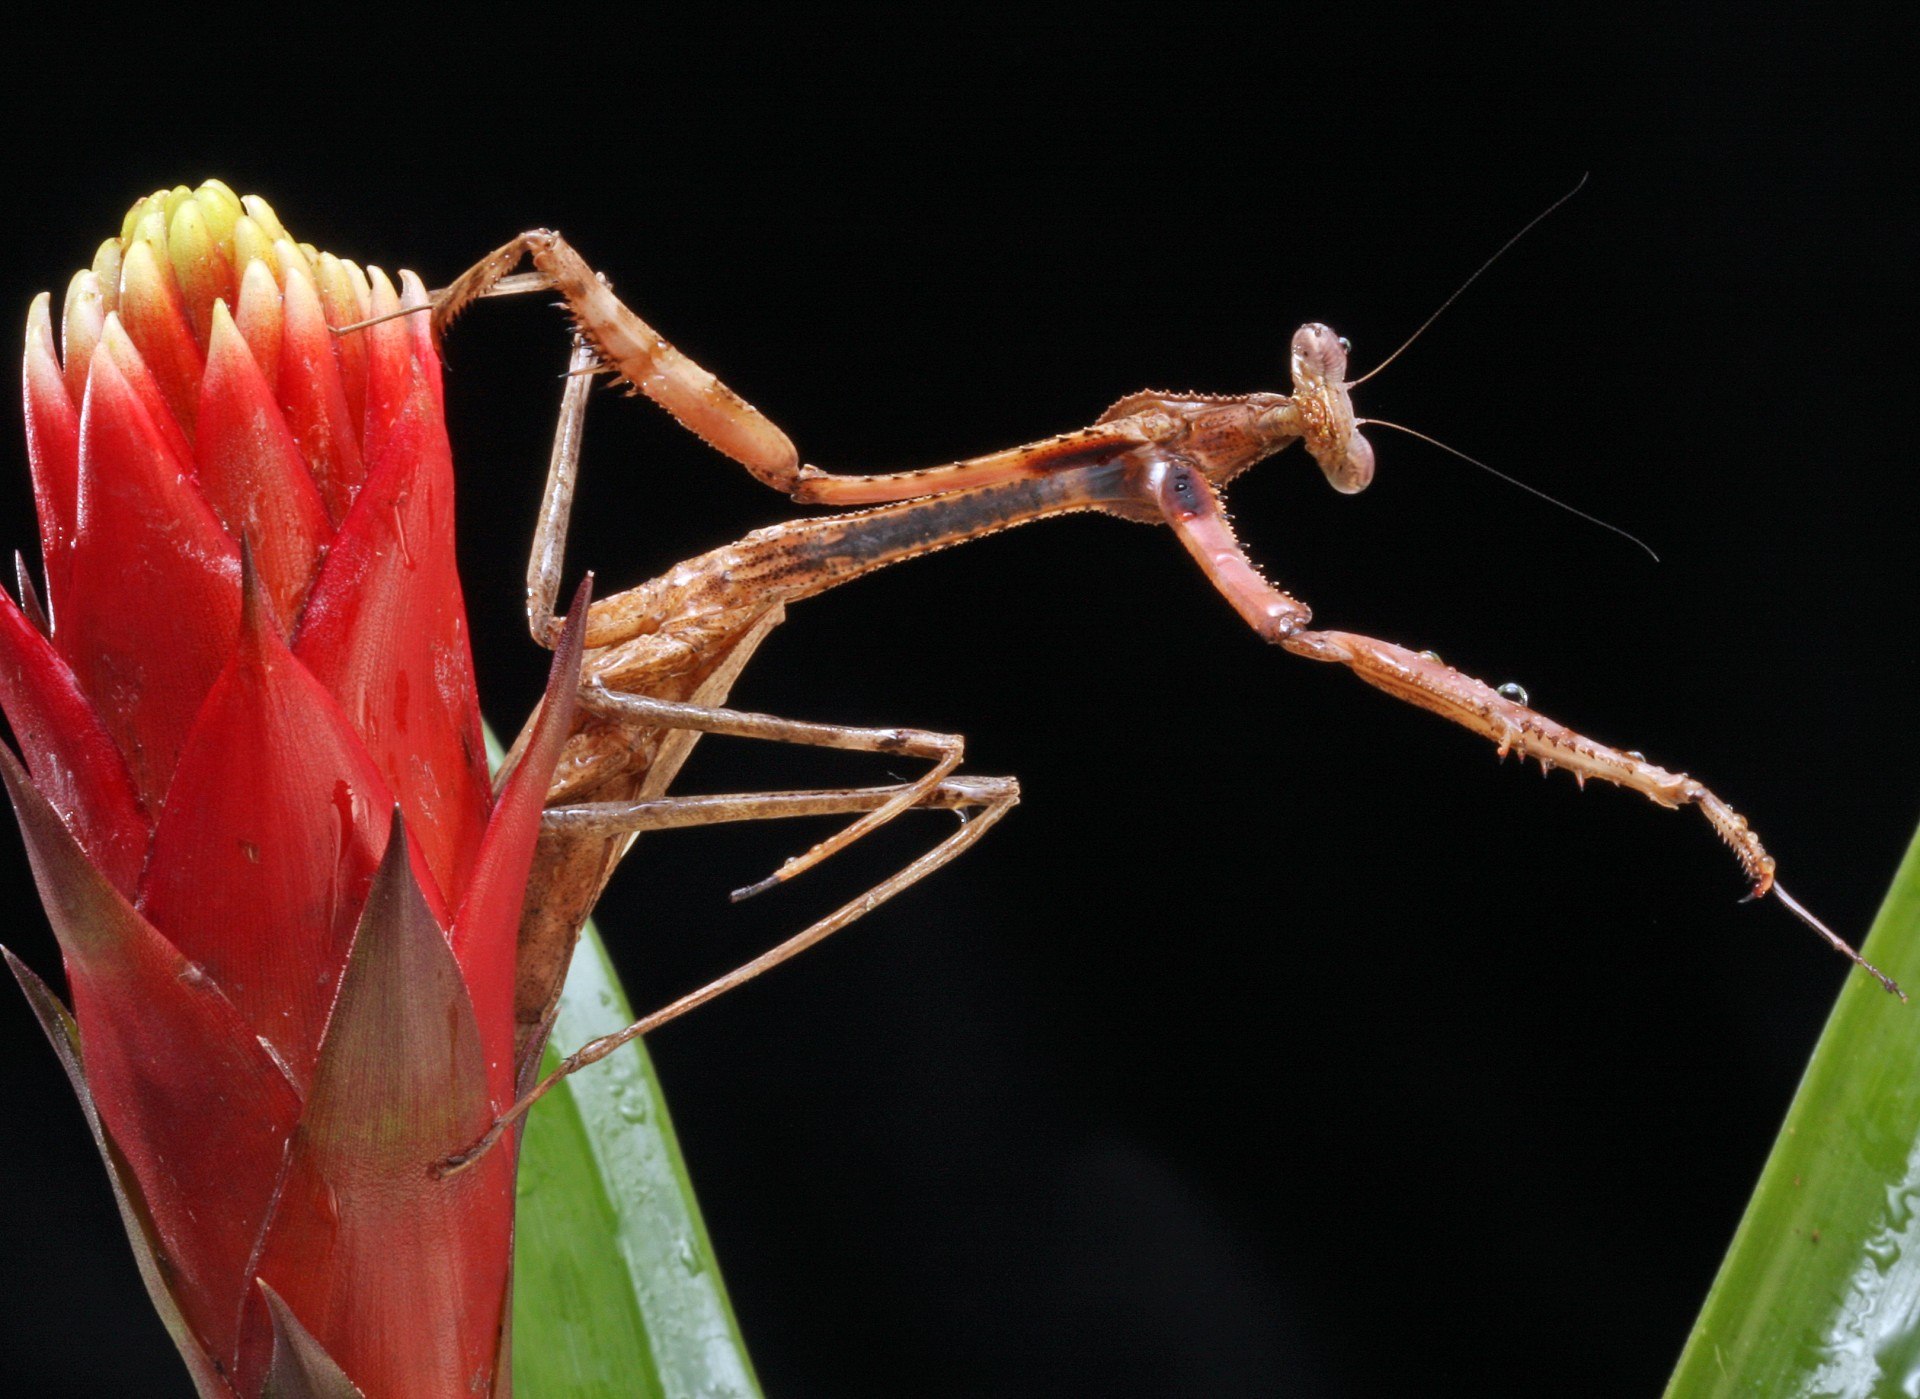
x: 1282, y: 1042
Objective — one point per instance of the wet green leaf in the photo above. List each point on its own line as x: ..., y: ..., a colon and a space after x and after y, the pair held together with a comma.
x: 1820, y: 1292
x: 616, y: 1290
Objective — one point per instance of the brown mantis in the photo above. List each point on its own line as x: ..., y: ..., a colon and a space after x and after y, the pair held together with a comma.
x: 660, y: 657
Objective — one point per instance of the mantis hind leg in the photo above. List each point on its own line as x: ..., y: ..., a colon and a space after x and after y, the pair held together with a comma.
x: 982, y: 802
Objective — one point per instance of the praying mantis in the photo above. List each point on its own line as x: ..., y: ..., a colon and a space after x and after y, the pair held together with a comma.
x: 658, y: 659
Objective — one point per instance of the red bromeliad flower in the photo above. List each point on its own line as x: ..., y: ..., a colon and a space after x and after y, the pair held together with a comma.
x: 258, y: 807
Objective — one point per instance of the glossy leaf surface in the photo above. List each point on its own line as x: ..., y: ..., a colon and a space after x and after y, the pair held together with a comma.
x: 616, y: 1289
x: 1820, y: 1292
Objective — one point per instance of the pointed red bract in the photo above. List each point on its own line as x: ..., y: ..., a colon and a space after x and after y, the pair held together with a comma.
x: 348, y: 301
x: 71, y: 754
x: 253, y: 847
x: 386, y: 632
x: 155, y: 587
x: 53, y: 445
x: 393, y: 370
x: 402, y: 1271
x: 260, y: 869
x: 151, y: 311
x: 314, y: 397
x: 486, y: 936
x: 140, y: 378
x: 259, y: 318
x: 81, y: 321
x: 186, y: 1094
x: 426, y: 349
x: 252, y: 473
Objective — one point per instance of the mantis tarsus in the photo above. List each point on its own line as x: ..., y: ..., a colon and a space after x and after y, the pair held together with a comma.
x: 660, y: 657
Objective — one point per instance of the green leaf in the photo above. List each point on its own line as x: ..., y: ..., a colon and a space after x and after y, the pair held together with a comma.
x: 616, y: 1289
x: 1820, y: 1292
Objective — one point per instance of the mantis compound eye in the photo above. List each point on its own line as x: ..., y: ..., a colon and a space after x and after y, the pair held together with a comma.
x: 1318, y: 354
x: 1354, y: 471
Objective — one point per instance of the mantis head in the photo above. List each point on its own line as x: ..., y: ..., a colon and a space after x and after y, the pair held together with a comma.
x: 1323, y: 411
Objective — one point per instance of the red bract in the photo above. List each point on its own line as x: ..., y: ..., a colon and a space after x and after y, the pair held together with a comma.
x: 257, y: 804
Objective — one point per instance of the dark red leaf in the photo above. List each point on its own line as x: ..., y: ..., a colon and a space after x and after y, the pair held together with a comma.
x: 253, y: 474
x: 399, y: 1273
x: 386, y: 632
x: 73, y: 758
x: 260, y: 867
x: 135, y: 1218
x: 184, y: 1090
x: 486, y: 934
x: 53, y: 447
x: 301, y: 1367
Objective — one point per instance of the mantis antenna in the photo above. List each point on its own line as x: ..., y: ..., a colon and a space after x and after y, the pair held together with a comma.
x: 1634, y: 539
x: 1499, y: 253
